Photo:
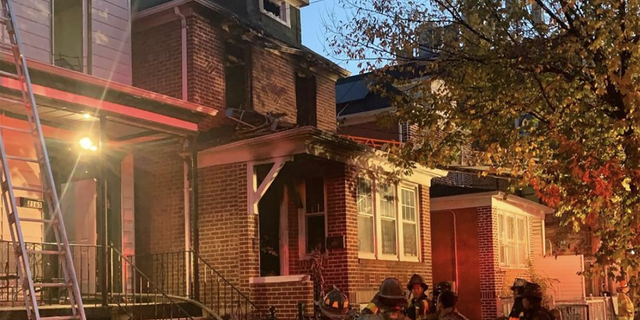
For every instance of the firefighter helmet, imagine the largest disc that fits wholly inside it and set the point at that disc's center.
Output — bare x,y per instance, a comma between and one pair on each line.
417,279
335,305
532,290
391,294
519,283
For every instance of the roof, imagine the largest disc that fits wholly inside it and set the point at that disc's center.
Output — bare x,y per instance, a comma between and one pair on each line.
353,95
151,7
495,199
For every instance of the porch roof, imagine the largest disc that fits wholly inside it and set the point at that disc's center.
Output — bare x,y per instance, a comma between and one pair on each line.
68,99
496,199
310,141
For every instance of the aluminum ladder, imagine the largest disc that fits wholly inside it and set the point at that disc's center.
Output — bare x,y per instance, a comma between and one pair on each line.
47,189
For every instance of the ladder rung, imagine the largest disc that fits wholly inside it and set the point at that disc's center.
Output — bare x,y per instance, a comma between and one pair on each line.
9,75
23,159
16,129
7,46
31,189
50,252
36,220
60,318
51,285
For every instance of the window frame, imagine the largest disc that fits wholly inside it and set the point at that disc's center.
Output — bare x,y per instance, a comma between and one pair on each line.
518,243
372,216
377,221
377,211
286,9
413,188
302,219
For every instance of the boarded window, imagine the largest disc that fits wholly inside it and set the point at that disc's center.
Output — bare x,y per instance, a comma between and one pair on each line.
306,100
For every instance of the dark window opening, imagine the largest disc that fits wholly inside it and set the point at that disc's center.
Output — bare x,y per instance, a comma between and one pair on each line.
315,213
306,100
273,8
237,76
68,44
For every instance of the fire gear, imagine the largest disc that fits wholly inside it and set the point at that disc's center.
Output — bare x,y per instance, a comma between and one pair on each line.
335,305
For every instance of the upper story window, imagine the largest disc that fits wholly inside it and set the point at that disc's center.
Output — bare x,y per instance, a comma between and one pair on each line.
237,76
277,9
513,235
68,34
306,95
388,221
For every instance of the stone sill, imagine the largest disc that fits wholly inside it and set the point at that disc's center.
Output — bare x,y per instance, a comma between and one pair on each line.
279,279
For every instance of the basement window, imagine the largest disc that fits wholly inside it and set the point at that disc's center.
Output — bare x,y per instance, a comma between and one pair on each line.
276,9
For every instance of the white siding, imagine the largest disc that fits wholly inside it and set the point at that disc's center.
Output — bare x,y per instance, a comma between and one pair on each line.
34,23
562,273
111,41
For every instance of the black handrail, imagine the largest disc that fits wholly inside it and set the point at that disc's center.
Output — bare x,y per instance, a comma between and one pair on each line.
150,297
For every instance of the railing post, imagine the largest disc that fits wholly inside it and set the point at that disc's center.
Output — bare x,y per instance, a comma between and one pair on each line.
102,211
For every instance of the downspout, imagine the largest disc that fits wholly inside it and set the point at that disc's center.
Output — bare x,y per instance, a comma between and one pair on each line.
187,166
183,40
455,248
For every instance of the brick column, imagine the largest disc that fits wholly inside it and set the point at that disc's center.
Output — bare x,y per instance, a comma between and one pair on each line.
489,263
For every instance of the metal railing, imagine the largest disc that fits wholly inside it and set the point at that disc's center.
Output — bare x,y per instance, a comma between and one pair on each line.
47,268
374,143
142,296
172,273
221,296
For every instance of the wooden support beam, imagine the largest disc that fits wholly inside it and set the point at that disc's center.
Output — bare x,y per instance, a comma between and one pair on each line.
255,192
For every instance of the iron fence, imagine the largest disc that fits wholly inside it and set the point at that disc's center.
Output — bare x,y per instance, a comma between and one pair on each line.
47,268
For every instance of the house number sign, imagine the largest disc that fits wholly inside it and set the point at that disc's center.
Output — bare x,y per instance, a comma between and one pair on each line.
30,203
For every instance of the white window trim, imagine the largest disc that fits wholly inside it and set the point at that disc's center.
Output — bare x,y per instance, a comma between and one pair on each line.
287,13
413,188
364,254
302,221
527,245
377,237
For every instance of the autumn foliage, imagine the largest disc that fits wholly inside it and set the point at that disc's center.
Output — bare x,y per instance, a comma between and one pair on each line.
469,71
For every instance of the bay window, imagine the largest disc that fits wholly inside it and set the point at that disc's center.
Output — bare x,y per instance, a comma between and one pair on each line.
388,221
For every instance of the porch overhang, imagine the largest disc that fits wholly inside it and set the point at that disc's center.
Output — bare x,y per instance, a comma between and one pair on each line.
495,199
68,100
308,141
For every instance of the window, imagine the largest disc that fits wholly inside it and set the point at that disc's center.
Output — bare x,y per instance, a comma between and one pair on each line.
388,221
68,38
276,9
388,217
306,100
409,221
237,76
315,213
512,237
405,132
365,216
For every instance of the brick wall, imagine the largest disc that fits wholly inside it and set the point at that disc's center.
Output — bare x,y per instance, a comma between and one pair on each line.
159,200
285,296
326,103
156,63
228,234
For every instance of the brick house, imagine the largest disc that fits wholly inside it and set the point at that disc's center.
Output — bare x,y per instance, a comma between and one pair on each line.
493,238
272,181
79,59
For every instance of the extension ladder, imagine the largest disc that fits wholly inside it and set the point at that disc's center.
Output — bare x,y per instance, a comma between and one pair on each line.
47,189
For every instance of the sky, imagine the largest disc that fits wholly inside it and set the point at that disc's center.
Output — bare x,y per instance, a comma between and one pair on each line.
314,17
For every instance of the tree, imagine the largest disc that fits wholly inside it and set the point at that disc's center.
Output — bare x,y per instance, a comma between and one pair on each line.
470,69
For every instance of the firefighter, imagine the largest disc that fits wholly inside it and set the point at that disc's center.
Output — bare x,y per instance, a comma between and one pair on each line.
532,302
335,306
517,309
626,310
441,287
419,306
372,307
390,302
447,303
